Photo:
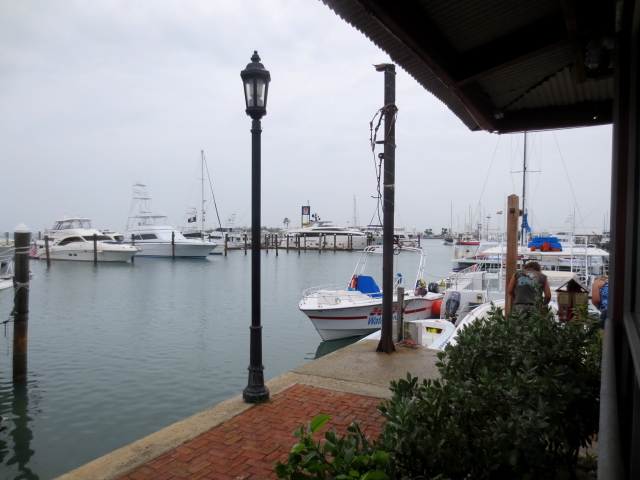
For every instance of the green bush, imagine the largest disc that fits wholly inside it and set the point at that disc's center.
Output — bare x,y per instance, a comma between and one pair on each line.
517,399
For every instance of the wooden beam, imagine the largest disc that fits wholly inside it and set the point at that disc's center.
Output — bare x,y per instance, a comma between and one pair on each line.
571,25
513,214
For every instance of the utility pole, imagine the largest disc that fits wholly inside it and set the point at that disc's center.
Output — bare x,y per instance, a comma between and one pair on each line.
386,343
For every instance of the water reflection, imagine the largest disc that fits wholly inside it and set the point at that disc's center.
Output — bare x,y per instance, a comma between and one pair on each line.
15,440
330,346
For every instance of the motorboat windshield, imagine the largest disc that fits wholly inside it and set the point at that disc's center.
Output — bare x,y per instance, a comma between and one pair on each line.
69,223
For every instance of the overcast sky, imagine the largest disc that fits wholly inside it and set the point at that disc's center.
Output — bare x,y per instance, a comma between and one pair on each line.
96,95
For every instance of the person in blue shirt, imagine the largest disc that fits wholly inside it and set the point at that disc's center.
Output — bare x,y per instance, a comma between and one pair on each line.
600,296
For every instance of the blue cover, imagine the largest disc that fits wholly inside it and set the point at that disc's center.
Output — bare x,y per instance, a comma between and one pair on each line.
538,241
368,286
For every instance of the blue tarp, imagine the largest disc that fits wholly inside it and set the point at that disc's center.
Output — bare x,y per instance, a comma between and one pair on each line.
538,241
368,286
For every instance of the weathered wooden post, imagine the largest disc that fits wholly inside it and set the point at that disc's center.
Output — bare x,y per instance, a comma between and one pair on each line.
298,243
287,243
275,237
22,242
133,244
39,234
173,244
46,249
95,248
226,243
245,244
266,242
305,241
6,238
400,316
513,212
335,242
388,205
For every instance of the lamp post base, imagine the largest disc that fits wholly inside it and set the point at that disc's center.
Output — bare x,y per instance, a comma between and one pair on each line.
255,391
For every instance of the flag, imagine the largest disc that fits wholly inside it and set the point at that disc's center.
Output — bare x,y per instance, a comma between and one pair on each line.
33,252
192,219
499,213
525,223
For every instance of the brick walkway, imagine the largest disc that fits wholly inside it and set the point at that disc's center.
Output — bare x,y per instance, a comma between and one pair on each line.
247,446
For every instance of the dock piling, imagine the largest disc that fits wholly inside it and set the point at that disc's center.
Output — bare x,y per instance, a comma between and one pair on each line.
133,244
513,212
400,316
275,237
245,244
46,249
226,243
95,248
22,242
173,245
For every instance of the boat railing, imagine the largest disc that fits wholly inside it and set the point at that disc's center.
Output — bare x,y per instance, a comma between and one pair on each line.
314,290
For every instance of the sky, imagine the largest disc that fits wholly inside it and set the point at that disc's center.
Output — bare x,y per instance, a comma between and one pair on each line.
95,96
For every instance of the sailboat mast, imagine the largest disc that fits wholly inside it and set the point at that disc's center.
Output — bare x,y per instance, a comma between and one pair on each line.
202,190
524,191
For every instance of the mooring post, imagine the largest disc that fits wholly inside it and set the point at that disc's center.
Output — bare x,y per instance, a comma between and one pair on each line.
95,248
6,238
400,316
245,244
298,243
22,242
287,243
335,242
305,241
46,249
226,243
275,237
173,244
513,213
39,234
389,110
133,244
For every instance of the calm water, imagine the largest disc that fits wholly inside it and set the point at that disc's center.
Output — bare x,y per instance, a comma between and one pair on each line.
117,352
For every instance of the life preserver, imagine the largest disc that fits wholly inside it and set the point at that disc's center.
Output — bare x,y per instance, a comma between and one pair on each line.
354,282
546,246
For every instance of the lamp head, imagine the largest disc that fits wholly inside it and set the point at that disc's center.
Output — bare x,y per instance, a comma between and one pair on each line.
256,87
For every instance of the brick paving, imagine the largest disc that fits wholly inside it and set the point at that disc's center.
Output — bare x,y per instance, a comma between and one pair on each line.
247,446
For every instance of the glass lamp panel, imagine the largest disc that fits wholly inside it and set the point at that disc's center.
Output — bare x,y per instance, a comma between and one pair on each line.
247,92
260,92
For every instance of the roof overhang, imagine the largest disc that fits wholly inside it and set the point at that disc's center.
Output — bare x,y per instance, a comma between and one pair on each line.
499,65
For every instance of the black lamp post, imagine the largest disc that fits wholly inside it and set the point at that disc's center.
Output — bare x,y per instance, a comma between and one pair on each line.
256,87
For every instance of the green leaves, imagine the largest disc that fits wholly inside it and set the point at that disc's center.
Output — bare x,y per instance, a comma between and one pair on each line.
517,399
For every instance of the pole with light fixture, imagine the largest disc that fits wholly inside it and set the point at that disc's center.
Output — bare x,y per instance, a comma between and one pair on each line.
256,88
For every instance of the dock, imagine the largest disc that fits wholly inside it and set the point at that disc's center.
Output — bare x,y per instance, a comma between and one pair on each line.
236,440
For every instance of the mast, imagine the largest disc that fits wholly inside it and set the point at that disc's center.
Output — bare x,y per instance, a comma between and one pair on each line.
524,191
202,190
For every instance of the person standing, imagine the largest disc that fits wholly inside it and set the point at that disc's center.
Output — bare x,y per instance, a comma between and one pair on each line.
526,285
600,296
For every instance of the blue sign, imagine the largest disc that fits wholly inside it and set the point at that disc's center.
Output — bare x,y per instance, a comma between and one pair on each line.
306,210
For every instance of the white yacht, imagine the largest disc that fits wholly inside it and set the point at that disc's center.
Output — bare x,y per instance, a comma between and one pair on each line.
323,233
73,239
152,234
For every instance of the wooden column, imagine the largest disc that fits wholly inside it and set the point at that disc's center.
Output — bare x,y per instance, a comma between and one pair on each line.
95,248
513,212
22,240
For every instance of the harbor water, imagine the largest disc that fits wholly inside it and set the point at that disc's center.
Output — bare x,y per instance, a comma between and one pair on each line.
119,351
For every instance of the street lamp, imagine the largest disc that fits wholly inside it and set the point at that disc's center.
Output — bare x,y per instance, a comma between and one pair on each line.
256,88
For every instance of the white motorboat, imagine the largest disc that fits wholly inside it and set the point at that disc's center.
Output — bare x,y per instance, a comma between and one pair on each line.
431,333
72,239
6,264
324,234
355,307
154,237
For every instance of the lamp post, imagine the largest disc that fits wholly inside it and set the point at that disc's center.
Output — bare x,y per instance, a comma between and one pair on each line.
256,88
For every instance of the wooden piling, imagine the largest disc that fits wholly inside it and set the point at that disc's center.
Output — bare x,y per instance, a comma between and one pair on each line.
226,243
266,242
335,242
22,242
133,244
173,244
95,248
298,243
6,238
39,234
305,241
245,244
400,316
287,243
46,249
275,237
513,212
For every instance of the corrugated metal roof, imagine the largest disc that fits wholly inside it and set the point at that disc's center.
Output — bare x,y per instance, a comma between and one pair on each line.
467,24
560,89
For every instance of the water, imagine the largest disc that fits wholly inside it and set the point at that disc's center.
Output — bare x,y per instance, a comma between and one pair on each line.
119,351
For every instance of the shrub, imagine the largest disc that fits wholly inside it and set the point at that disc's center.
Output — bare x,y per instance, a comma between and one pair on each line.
517,399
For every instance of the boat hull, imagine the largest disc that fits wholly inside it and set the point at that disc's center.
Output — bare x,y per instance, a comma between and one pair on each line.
74,254
333,323
182,250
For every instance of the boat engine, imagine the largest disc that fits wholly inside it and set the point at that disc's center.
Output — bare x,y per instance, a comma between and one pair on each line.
433,287
452,305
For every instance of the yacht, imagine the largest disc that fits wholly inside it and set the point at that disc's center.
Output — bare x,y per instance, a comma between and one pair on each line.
323,234
152,234
73,239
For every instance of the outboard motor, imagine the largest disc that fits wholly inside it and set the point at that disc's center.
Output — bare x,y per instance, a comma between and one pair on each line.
452,305
433,287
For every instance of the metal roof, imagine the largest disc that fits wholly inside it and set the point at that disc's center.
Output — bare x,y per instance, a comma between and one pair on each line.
500,65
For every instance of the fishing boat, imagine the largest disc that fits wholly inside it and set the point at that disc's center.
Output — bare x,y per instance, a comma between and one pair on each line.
355,307
72,239
152,234
324,234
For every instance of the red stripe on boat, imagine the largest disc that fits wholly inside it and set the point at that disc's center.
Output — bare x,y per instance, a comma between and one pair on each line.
339,318
417,310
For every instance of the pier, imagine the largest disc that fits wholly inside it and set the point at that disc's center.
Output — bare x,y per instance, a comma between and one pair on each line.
237,440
